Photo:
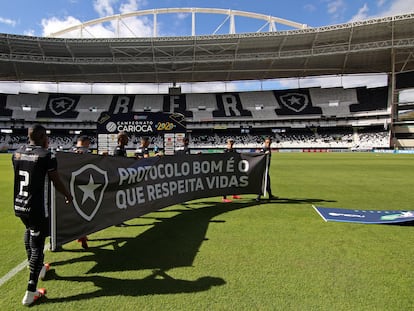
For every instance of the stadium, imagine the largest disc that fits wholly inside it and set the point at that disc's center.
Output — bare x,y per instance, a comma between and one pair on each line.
314,118
62,82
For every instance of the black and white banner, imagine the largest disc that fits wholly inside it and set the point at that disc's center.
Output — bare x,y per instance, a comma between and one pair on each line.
60,106
109,190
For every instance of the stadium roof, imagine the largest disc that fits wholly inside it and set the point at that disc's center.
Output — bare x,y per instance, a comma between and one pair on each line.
372,46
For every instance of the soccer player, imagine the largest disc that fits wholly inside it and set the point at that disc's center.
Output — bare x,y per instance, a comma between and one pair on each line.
120,150
229,148
82,146
267,150
185,149
142,151
33,164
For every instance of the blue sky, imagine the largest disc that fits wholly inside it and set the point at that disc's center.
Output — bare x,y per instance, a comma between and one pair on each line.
42,17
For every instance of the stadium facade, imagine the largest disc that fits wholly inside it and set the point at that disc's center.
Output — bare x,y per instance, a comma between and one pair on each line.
329,116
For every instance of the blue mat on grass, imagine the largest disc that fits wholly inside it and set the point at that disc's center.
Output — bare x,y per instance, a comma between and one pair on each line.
364,216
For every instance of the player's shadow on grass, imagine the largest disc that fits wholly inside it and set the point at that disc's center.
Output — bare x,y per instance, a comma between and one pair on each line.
170,243
157,283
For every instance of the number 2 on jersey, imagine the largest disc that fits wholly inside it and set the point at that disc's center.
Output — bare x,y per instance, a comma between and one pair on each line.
24,183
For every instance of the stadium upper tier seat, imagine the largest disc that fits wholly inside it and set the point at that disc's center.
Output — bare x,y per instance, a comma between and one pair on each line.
257,105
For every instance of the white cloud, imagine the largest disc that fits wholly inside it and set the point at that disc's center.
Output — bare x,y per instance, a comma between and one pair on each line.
395,8
127,27
29,32
335,6
8,21
310,7
55,24
107,7
181,16
133,26
399,7
104,7
129,6
380,3
98,31
361,15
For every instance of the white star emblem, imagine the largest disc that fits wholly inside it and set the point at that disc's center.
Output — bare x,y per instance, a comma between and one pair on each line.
294,101
61,104
89,190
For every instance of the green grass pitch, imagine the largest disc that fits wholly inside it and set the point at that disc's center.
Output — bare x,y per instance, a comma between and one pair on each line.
206,255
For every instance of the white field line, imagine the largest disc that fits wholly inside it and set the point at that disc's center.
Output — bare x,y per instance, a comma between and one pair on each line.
16,270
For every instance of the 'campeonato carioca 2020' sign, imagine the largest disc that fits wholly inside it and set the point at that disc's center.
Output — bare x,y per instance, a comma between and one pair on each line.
141,123
109,190
130,126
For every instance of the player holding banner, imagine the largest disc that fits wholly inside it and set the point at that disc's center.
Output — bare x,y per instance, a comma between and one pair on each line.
32,164
267,149
142,151
229,149
82,147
